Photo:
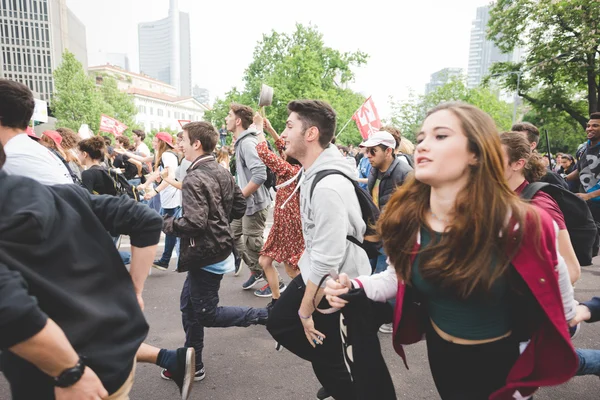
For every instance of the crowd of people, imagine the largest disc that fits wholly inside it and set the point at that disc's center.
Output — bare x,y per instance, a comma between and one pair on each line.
466,239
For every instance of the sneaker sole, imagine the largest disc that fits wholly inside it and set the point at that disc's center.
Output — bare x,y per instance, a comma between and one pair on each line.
190,371
269,295
254,284
159,267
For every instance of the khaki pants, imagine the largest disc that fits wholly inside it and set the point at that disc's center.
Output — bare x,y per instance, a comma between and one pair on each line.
123,392
248,234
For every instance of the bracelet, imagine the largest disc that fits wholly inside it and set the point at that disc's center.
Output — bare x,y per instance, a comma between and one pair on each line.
301,317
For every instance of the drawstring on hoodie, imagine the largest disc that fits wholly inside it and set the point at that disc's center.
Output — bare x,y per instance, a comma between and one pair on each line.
289,182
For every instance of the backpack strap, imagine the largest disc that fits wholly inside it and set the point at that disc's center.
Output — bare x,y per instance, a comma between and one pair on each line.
322,174
532,189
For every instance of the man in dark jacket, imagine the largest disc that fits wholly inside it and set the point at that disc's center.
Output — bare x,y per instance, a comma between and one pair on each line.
54,248
211,200
388,172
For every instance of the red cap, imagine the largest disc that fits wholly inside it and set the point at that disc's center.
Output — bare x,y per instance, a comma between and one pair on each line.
165,137
29,131
55,136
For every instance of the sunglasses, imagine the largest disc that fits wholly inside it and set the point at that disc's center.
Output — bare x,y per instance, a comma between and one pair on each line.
373,150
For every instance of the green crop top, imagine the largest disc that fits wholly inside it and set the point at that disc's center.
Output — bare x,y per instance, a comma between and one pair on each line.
475,318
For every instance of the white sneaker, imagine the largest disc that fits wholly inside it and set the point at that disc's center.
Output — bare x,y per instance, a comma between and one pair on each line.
386,328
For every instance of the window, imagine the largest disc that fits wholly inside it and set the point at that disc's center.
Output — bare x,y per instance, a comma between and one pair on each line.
159,112
151,111
169,113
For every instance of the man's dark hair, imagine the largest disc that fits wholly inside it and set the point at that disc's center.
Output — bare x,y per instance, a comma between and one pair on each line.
344,149
245,113
140,134
107,140
203,132
533,134
315,113
16,104
595,115
124,140
395,132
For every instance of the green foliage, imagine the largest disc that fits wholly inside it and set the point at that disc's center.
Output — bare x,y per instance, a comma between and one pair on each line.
78,101
564,132
561,70
409,115
298,66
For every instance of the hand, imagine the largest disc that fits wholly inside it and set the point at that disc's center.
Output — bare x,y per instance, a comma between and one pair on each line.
88,387
165,173
140,300
141,187
335,288
313,336
258,121
150,194
582,313
584,196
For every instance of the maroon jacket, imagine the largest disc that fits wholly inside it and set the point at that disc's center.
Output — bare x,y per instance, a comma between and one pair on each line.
549,358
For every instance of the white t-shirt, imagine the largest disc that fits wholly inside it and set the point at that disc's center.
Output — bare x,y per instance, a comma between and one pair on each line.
26,157
170,197
143,149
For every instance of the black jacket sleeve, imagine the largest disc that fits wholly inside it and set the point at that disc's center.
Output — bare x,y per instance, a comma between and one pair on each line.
20,316
594,306
239,203
121,215
88,178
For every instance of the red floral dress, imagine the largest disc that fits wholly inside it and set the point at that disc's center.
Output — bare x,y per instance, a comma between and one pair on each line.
285,242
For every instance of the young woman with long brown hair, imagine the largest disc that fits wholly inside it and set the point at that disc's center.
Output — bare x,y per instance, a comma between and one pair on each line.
472,266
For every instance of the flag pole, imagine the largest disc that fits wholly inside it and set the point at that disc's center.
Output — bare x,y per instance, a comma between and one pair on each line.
342,130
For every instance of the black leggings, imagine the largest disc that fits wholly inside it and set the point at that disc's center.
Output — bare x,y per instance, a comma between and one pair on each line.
469,372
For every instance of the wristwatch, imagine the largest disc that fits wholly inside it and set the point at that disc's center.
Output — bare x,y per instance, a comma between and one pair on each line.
70,376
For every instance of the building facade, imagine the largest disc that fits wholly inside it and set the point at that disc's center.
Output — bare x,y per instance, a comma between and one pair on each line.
165,52
33,36
482,52
441,77
158,105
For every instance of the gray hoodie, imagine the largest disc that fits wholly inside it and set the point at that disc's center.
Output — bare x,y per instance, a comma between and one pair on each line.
249,167
332,214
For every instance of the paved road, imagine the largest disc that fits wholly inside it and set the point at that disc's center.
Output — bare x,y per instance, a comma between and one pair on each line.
242,363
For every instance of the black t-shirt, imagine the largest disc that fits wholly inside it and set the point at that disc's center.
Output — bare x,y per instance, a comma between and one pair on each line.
129,170
97,181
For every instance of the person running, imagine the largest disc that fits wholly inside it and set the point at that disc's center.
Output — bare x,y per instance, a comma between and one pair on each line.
285,243
211,199
95,177
518,161
475,264
170,197
69,145
251,175
71,320
25,157
138,141
329,217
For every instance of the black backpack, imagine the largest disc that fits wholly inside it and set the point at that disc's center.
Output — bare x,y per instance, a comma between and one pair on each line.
122,186
578,218
370,213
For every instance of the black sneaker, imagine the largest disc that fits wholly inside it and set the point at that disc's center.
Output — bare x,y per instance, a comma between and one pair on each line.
185,373
238,266
323,395
254,278
161,266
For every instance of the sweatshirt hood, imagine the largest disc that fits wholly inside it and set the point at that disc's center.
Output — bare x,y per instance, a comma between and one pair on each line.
250,131
331,158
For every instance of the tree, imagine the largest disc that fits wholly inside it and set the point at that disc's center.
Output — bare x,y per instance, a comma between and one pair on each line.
298,66
409,115
76,100
561,70
118,105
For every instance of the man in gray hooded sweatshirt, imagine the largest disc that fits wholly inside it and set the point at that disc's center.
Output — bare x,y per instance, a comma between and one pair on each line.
329,216
251,175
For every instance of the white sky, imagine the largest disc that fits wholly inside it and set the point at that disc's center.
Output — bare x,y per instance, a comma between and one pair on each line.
406,40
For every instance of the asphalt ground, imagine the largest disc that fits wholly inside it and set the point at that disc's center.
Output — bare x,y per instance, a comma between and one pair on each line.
242,363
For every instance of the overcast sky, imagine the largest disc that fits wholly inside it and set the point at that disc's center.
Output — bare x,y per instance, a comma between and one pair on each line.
406,40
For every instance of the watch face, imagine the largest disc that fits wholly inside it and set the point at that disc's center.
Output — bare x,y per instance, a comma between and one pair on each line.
71,376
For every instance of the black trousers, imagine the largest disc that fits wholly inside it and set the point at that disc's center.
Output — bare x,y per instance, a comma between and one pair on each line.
469,372
327,359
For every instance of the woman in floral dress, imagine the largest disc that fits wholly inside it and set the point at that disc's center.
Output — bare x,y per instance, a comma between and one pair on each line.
285,243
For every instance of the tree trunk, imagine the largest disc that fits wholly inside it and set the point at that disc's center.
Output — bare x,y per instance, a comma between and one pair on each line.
577,116
592,84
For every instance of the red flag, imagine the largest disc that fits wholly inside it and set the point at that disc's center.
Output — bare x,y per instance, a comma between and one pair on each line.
111,125
367,119
182,122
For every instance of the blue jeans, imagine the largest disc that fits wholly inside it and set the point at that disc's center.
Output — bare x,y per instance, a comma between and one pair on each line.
223,140
589,362
199,304
125,256
170,240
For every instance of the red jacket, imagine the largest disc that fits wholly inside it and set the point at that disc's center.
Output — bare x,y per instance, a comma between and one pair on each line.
549,359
